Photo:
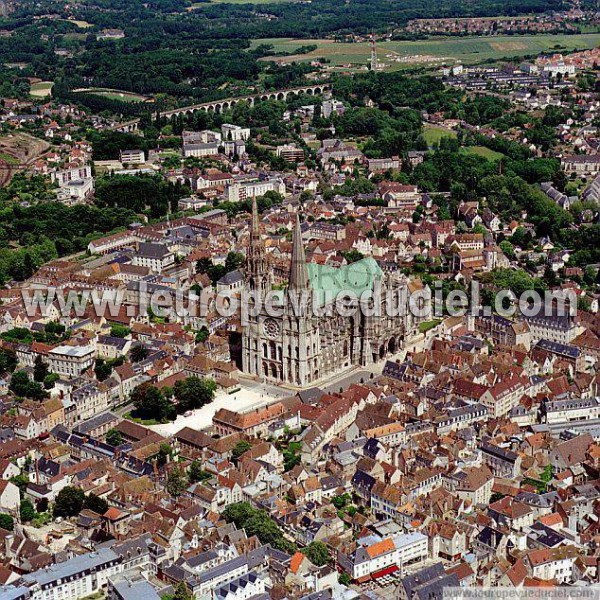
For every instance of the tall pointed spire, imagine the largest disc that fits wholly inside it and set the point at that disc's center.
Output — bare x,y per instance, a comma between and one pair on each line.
298,270
255,228
256,263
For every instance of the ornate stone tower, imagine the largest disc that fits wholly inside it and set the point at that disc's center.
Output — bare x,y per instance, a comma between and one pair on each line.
256,261
281,348
301,347
258,282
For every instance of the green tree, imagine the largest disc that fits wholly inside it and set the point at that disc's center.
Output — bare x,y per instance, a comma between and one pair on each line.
176,482
353,255
202,335
8,362
257,522
26,511
138,353
239,449
164,453
182,592
194,392
317,553
21,481
151,402
21,385
40,369
96,503
507,248
118,330
114,437
341,501
6,522
50,380
102,369
196,473
69,502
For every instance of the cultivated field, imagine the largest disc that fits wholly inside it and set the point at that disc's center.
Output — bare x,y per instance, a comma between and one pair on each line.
197,5
431,52
41,89
80,24
484,152
114,94
433,134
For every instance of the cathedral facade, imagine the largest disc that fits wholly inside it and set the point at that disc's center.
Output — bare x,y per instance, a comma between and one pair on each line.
318,333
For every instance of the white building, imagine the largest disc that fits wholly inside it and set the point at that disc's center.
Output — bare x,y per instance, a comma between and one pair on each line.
235,147
65,176
556,68
132,157
10,497
75,184
575,409
71,360
379,556
234,132
77,577
552,564
107,244
240,191
156,257
77,190
331,107
200,150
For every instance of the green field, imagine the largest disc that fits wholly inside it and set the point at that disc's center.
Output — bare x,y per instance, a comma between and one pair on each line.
114,94
80,24
9,158
425,326
122,96
196,5
432,52
484,152
433,134
41,89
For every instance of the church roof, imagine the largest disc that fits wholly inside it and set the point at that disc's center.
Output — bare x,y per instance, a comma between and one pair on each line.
328,282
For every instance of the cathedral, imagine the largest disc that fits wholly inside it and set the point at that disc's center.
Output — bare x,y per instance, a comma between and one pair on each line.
308,342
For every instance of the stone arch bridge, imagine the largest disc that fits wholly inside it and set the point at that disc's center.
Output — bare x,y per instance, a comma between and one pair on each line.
226,103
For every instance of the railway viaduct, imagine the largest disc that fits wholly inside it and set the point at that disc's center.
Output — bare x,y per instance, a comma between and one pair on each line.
226,103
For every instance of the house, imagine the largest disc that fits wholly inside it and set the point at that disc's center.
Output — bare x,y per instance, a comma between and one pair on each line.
511,513
571,452
132,157
447,541
552,564
10,496
254,422
157,257
473,484
126,589
374,557
71,360
504,396
8,469
76,577
427,583
581,164
231,282
502,462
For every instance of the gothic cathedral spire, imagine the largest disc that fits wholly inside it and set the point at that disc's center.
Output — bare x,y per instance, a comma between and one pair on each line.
298,270
256,263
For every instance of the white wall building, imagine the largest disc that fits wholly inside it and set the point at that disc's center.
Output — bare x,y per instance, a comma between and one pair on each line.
234,132
75,578
240,191
71,360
